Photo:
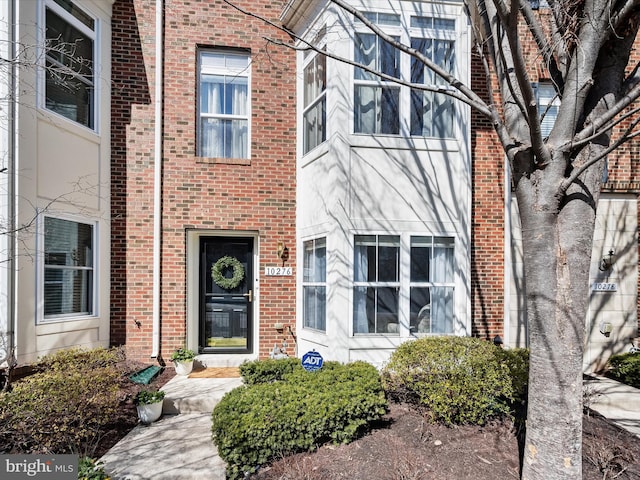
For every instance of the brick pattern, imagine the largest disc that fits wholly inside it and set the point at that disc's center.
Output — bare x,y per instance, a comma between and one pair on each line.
258,195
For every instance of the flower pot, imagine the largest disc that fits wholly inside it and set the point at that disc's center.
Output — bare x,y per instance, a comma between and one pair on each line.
150,412
184,368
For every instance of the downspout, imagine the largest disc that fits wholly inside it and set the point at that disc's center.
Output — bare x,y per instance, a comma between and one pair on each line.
157,181
8,353
506,324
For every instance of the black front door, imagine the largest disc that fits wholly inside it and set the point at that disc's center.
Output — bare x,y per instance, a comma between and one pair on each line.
226,294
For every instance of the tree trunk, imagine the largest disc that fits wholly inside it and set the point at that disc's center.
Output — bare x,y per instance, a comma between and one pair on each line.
557,238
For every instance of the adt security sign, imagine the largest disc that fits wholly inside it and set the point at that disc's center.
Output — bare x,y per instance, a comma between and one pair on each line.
312,361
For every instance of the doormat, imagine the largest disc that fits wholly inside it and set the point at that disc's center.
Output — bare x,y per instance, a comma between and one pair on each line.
216,372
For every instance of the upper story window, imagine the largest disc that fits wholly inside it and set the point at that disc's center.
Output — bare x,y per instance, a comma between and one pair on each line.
314,284
548,105
70,62
68,268
383,107
315,102
224,104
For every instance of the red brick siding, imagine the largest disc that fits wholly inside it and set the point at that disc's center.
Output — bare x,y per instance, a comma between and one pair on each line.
257,197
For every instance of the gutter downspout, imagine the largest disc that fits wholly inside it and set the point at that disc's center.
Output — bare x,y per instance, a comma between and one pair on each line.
8,350
506,324
157,181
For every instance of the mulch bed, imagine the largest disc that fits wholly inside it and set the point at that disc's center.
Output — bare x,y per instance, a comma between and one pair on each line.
407,447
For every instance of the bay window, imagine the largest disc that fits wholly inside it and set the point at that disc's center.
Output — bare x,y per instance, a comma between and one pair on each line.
314,284
68,268
223,107
383,107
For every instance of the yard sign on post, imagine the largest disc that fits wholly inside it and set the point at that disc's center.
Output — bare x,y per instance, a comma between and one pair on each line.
312,361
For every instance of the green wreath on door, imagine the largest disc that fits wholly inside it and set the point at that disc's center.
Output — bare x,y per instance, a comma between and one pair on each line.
221,266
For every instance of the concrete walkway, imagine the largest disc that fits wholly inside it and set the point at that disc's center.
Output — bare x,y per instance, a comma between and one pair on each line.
614,400
179,446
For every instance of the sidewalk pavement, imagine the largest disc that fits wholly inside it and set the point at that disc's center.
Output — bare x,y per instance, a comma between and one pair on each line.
179,445
616,401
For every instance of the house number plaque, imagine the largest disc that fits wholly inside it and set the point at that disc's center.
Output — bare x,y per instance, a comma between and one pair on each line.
604,287
278,271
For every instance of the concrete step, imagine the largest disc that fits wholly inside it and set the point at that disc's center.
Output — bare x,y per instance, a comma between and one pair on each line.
195,395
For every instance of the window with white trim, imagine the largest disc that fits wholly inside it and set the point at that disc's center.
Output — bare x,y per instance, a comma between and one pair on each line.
548,105
314,284
376,285
69,284
380,284
431,285
314,115
69,84
383,107
224,104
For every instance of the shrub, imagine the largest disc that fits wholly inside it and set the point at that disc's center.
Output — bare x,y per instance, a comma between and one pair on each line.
517,361
256,423
625,367
269,370
458,380
91,469
63,409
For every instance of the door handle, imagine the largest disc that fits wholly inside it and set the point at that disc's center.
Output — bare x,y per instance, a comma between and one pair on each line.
249,295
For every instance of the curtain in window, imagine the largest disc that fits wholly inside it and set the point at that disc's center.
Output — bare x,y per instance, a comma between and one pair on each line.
361,269
222,97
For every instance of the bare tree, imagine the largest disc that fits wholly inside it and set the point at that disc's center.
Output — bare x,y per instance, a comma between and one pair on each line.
585,46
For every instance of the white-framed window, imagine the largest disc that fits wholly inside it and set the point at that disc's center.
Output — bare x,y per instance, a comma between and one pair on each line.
314,115
314,284
431,285
380,284
224,104
376,286
69,273
383,107
70,62
548,105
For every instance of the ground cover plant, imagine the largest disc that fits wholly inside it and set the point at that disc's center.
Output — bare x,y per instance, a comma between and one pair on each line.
256,423
75,401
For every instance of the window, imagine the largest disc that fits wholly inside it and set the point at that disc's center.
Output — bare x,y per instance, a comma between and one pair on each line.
431,285
315,102
432,114
548,104
68,268
70,56
314,286
224,105
380,106
376,284
376,102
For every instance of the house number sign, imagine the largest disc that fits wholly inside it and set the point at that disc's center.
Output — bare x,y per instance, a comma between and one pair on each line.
604,287
278,271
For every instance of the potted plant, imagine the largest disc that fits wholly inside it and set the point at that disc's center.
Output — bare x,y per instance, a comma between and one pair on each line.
149,405
183,360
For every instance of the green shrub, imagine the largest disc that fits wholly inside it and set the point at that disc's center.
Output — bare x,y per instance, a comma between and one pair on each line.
269,370
458,380
517,361
63,409
256,423
625,367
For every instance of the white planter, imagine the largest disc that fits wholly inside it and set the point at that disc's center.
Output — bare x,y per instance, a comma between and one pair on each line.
150,412
183,368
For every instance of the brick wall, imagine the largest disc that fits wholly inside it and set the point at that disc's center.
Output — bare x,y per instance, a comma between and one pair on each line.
258,195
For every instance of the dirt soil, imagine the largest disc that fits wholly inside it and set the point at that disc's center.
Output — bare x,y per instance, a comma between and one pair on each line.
406,447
